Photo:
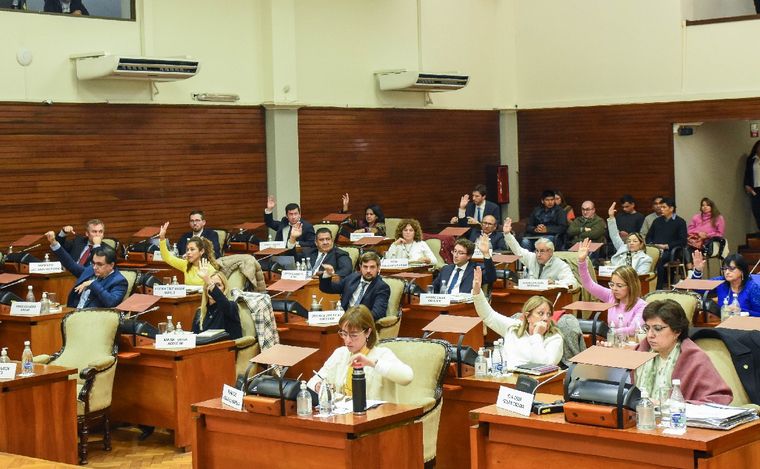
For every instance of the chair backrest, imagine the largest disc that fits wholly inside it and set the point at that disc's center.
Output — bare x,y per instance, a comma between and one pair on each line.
330,226
721,359
654,253
222,236
236,280
111,242
593,329
131,276
429,360
353,253
244,355
689,301
390,226
397,291
88,335
571,258
246,318
435,246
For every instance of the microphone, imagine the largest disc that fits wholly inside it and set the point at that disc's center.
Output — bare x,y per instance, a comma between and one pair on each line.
561,372
31,247
542,408
15,282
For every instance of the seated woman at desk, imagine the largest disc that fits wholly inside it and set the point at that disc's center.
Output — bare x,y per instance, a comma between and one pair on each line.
216,311
197,249
737,282
373,222
409,244
357,330
624,292
632,252
677,357
532,339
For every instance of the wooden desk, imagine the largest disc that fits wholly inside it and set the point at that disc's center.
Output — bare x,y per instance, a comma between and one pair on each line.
510,300
386,437
38,414
416,316
60,284
44,331
303,295
156,387
298,332
460,396
180,309
158,269
500,437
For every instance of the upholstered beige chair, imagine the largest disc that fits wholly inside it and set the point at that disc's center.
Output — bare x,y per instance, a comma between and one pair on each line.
390,226
389,326
89,345
721,359
429,359
112,243
571,258
654,253
247,346
435,246
689,301
222,236
330,226
353,253
131,276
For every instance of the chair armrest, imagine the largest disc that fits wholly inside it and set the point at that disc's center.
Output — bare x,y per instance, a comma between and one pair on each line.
98,366
245,342
43,359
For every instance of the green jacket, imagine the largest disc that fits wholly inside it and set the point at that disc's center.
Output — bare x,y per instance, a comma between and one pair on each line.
576,232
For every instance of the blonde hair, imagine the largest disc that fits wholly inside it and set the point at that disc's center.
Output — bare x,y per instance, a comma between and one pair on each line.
204,297
631,278
528,308
359,318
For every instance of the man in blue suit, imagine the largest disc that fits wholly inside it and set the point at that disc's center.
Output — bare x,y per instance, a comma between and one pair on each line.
98,285
488,227
365,287
458,276
472,211
292,228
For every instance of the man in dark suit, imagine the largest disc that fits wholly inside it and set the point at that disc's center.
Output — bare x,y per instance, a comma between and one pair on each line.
547,221
328,254
80,247
473,211
99,285
292,228
198,227
488,227
458,276
365,287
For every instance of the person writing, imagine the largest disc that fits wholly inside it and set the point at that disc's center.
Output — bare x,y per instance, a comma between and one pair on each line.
624,291
360,349
633,251
534,338
216,311
409,243
678,357
737,282
197,249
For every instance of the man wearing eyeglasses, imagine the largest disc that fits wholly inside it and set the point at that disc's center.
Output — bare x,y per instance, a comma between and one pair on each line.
198,227
488,227
540,264
459,275
588,225
365,287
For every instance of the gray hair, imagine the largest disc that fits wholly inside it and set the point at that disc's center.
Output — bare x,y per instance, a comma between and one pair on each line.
546,242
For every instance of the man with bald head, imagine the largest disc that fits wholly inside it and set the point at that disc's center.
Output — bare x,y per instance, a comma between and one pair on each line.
588,225
489,227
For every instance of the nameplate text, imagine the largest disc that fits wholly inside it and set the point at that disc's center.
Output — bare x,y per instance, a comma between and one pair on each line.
434,299
515,401
533,284
394,263
294,275
362,234
606,270
272,245
26,308
232,397
170,291
45,267
8,370
324,317
173,340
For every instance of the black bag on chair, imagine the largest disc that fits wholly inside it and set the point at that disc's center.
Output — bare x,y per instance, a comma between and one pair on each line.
291,307
269,386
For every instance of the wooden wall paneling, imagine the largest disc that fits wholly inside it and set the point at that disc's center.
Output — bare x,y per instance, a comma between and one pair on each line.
602,152
411,162
130,165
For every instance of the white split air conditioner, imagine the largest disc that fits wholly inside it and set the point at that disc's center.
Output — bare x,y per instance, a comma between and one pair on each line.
410,80
91,67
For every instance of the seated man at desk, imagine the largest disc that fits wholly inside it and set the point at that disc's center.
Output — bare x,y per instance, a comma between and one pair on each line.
540,264
488,227
588,225
198,227
292,228
99,285
458,276
327,253
365,287
80,247
472,211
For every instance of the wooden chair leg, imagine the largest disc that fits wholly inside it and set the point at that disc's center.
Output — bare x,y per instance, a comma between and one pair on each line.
83,433
107,429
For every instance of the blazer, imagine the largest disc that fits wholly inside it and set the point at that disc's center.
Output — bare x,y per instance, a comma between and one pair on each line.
749,175
74,246
489,275
282,228
337,258
221,315
490,209
207,233
104,292
54,6
496,237
375,297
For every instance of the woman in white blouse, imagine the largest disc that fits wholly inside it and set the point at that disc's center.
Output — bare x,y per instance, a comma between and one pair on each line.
531,339
357,330
409,243
632,252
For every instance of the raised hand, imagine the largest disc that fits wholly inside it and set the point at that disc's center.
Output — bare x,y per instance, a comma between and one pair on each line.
611,211
507,228
477,280
699,260
270,202
97,240
50,235
345,202
583,249
162,232
203,270
484,244
296,231
463,201
69,229
328,270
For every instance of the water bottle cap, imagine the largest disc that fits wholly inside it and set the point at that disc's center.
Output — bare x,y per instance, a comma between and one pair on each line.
26,342
644,394
30,287
676,381
168,317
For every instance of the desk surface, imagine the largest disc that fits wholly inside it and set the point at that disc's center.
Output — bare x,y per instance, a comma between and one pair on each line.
42,373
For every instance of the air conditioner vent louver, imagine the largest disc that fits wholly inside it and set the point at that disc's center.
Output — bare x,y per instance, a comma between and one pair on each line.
409,80
136,68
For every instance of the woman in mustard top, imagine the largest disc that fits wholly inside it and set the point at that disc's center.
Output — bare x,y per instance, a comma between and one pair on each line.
197,248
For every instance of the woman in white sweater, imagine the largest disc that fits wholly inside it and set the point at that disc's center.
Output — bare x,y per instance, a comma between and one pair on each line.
409,243
531,339
357,329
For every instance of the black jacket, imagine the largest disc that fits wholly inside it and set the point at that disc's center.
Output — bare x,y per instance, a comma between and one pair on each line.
375,296
54,6
336,257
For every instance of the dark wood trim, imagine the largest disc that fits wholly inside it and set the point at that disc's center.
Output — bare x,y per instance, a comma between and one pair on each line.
727,19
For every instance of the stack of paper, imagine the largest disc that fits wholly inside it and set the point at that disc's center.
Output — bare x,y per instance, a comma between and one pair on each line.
718,416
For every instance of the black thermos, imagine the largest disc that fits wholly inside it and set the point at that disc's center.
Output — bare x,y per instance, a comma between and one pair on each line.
359,389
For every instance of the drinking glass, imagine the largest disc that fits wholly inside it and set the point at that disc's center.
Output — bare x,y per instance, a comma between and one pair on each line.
662,409
162,328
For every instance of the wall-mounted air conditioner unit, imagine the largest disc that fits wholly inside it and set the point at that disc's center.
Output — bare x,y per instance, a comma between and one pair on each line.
411,80
91,67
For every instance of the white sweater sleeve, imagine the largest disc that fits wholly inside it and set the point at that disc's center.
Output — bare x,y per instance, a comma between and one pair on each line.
495,321
391,368
546,350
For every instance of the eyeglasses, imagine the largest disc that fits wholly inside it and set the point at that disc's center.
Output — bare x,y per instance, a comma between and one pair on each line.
487,223
587,209
352,335
729,268
618,285
459,253
657,329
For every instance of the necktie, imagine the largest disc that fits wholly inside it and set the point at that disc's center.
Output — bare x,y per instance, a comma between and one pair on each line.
319,261
84,298
479,217
454,280
540,270
85,255
360,293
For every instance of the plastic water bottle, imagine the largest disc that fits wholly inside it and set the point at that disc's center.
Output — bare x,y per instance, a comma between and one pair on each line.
174,280
622,338
169,325
315,306
497,358
179,330
612,336
269,238
444,287
645,413
30,294
47,257
338,307
4,356
481,366
45,308
27,360
735,308
724,311
308,266
303,401
175,250
677,406
325,399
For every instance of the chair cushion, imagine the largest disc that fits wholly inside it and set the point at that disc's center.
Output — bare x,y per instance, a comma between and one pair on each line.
688,301
721,359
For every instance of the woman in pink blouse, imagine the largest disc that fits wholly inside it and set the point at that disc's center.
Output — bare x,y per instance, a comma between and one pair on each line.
624,292
708,223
